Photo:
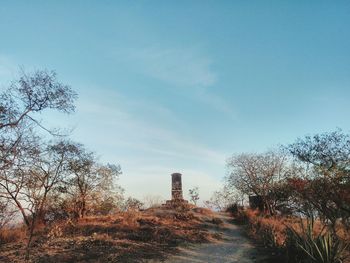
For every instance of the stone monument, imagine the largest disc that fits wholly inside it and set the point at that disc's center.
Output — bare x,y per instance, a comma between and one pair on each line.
176,192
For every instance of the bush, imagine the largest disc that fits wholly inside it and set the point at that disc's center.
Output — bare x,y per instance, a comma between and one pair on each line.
233,209
9,235
133,204
309,248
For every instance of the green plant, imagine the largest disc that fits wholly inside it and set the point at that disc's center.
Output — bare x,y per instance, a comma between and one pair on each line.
310,248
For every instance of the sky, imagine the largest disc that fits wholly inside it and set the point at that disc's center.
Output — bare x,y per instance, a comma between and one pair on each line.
180,86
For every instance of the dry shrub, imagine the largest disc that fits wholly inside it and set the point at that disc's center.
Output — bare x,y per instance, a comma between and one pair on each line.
130,219
55,231
120,236
10,235
275,231
203,211
96,219
270,231
246,216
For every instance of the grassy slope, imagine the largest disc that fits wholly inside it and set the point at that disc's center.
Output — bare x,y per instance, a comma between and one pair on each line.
123,237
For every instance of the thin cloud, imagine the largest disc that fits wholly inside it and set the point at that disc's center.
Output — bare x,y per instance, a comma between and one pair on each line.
186,69
132,131
179,67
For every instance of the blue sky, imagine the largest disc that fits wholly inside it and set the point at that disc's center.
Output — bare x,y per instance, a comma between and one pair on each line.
179,86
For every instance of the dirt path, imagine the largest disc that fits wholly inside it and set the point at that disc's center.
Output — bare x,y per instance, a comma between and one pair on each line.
234,247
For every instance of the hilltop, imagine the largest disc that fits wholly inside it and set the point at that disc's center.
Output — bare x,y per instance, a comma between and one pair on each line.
154,235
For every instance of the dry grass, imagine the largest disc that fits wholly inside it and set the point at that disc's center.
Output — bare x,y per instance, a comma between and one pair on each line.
153,233
271,231
13,234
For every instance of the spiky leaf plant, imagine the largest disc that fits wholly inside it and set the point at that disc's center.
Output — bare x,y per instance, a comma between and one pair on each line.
309,248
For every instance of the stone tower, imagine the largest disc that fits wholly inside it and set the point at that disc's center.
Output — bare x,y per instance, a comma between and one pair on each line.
177,199
176,187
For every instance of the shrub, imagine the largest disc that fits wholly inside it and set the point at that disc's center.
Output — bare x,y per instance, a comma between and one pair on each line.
233,209
310,248
9,235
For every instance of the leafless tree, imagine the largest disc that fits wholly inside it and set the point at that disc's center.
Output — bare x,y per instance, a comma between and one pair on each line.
257,174
108,194
19,105
91,184
152,201
225,197
32,94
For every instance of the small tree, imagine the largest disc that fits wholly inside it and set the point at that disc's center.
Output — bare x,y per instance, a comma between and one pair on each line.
44,176
152,201
224,198
133,204
194,195
108,195
92,185
258,174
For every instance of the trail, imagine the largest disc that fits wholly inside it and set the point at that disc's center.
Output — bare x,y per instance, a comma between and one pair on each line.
234,247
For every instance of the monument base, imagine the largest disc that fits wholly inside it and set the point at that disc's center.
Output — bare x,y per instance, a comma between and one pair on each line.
176,203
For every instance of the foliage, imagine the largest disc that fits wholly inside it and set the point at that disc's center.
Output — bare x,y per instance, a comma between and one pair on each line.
325,186
310,248
194,195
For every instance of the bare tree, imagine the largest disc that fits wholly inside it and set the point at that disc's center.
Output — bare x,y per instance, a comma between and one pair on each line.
132,203
47,172
225,197
257,174
26,96
92,184
32,94
108,194
19,104
152,201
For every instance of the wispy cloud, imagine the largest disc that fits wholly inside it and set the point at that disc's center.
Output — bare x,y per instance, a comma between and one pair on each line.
137,133
186,69
147,151
216,102
180,67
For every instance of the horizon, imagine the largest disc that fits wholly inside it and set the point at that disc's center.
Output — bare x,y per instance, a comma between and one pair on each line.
167,88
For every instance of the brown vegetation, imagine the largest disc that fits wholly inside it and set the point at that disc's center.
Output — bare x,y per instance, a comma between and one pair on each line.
302,192
273,232
122,237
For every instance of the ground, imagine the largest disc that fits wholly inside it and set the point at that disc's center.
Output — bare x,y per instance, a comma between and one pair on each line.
232,247
154,235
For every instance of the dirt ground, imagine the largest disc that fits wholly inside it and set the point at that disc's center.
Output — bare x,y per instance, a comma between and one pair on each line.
154,235
232,247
